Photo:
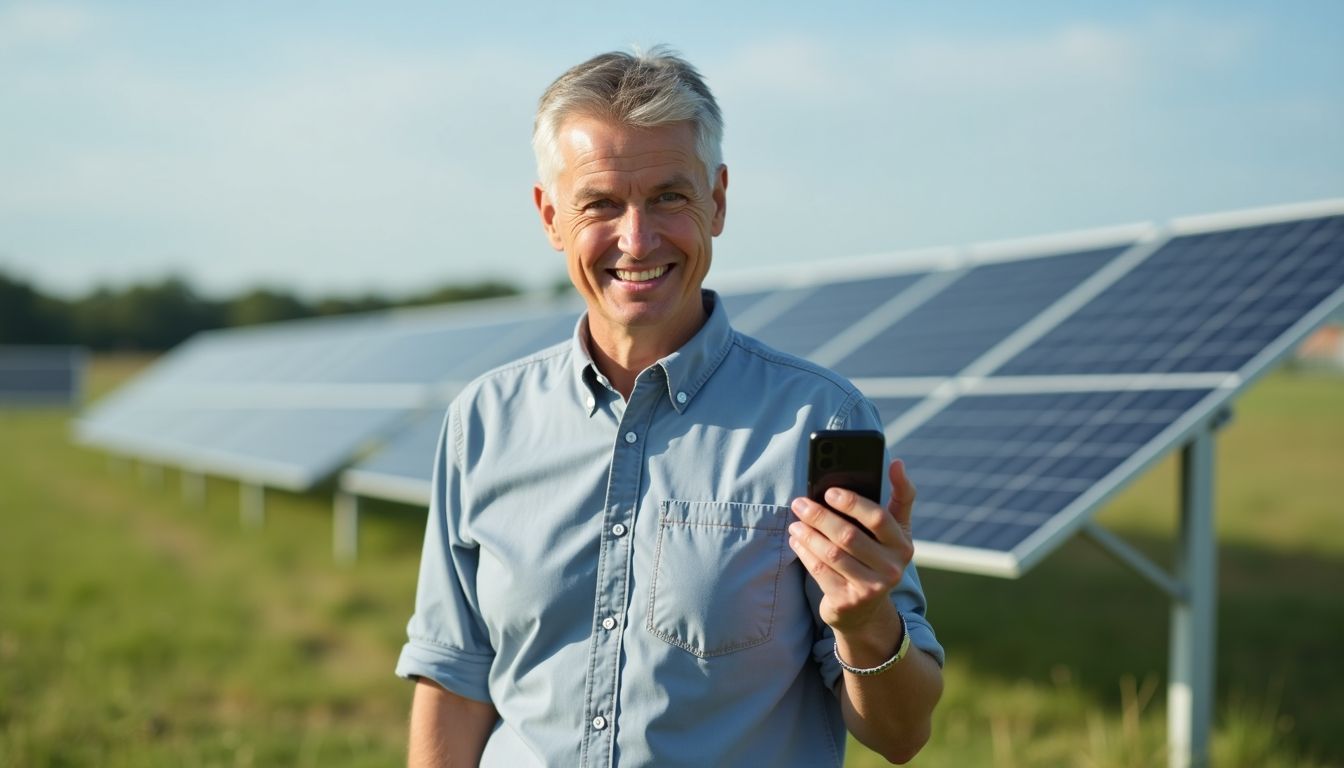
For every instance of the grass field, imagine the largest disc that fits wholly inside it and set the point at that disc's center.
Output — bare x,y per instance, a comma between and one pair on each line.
136,630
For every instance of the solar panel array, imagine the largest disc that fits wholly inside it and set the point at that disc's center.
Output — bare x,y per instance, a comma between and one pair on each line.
288,405
1023,383
41,375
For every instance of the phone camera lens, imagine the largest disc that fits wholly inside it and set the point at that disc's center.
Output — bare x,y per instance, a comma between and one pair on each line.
826,463
827,448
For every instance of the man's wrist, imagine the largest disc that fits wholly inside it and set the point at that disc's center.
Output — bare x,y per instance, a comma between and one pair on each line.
874,641
902,649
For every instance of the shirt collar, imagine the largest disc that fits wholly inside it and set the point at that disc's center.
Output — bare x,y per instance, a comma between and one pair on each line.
685,370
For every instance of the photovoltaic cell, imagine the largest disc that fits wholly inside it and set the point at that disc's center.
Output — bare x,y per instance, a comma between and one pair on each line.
993,469
829,310
1201,303
963,321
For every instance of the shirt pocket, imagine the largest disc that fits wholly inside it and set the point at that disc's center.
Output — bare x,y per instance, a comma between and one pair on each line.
716,573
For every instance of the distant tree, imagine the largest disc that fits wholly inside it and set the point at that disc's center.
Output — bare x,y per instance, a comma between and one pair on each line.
487,289
561,286
29,317
159,315
333,305
265,305
153,316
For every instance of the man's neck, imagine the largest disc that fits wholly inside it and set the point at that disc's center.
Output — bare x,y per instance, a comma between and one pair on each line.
622,353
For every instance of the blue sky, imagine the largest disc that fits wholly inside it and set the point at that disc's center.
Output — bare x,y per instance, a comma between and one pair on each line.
331,147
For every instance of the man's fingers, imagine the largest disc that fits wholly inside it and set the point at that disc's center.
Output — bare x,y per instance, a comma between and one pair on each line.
902,494
867,512
827,577
854,535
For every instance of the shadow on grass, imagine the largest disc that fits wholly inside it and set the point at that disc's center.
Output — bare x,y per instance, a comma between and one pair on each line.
1083,617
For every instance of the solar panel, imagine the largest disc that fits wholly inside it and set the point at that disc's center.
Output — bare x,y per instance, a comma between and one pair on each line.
401,470
1202,302
828,310
738,303
289,404
972,314
993,469
41,375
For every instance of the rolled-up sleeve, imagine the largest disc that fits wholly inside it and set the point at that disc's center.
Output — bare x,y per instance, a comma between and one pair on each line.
447,641
908,596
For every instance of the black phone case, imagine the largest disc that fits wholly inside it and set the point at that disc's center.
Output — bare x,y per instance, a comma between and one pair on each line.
850,459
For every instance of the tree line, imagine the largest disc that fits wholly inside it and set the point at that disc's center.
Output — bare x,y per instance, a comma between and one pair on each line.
157,315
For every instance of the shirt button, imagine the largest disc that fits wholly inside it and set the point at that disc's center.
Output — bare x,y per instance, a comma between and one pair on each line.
618,530
608,623
681,398
599,722
630,437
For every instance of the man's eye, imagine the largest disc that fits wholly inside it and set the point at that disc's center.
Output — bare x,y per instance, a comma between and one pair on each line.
598,205
671,197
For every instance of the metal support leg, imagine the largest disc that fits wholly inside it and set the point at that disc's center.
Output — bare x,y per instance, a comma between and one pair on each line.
193,488
345,527
252,503
1193,619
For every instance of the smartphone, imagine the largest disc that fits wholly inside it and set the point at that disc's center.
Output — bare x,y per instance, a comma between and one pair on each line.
850,459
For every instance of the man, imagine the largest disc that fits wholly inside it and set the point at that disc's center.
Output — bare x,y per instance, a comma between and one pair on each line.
616,567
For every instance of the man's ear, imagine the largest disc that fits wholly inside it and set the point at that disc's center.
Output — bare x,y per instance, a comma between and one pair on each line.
546,209
720,197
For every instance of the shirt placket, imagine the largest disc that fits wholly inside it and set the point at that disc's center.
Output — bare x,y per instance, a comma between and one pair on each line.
611,603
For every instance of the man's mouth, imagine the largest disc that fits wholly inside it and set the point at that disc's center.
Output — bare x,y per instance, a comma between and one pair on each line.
640,276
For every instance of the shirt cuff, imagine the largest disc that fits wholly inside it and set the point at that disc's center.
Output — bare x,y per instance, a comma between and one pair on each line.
922,637
465,674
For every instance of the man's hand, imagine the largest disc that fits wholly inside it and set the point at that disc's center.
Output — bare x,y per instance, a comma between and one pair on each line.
890,712
857,572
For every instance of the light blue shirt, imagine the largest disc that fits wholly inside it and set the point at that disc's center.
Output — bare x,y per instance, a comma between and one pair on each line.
615,577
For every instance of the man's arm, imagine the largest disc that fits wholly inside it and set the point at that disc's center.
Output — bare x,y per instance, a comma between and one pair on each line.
447,729
889,712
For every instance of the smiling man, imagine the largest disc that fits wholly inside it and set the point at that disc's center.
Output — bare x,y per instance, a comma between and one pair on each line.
619,568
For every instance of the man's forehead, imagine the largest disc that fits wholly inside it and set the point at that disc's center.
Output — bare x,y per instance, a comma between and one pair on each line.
594,146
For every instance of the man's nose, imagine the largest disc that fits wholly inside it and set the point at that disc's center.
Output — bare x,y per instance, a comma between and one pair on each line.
638,235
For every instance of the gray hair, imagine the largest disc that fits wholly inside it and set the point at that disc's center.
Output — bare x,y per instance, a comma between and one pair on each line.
642,90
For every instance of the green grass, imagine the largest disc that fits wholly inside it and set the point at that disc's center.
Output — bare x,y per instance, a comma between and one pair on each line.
136,630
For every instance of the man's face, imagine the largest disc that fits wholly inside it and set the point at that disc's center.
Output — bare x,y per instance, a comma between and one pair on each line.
635,216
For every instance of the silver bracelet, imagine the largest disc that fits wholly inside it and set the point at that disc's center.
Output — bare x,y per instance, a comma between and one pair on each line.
884,666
